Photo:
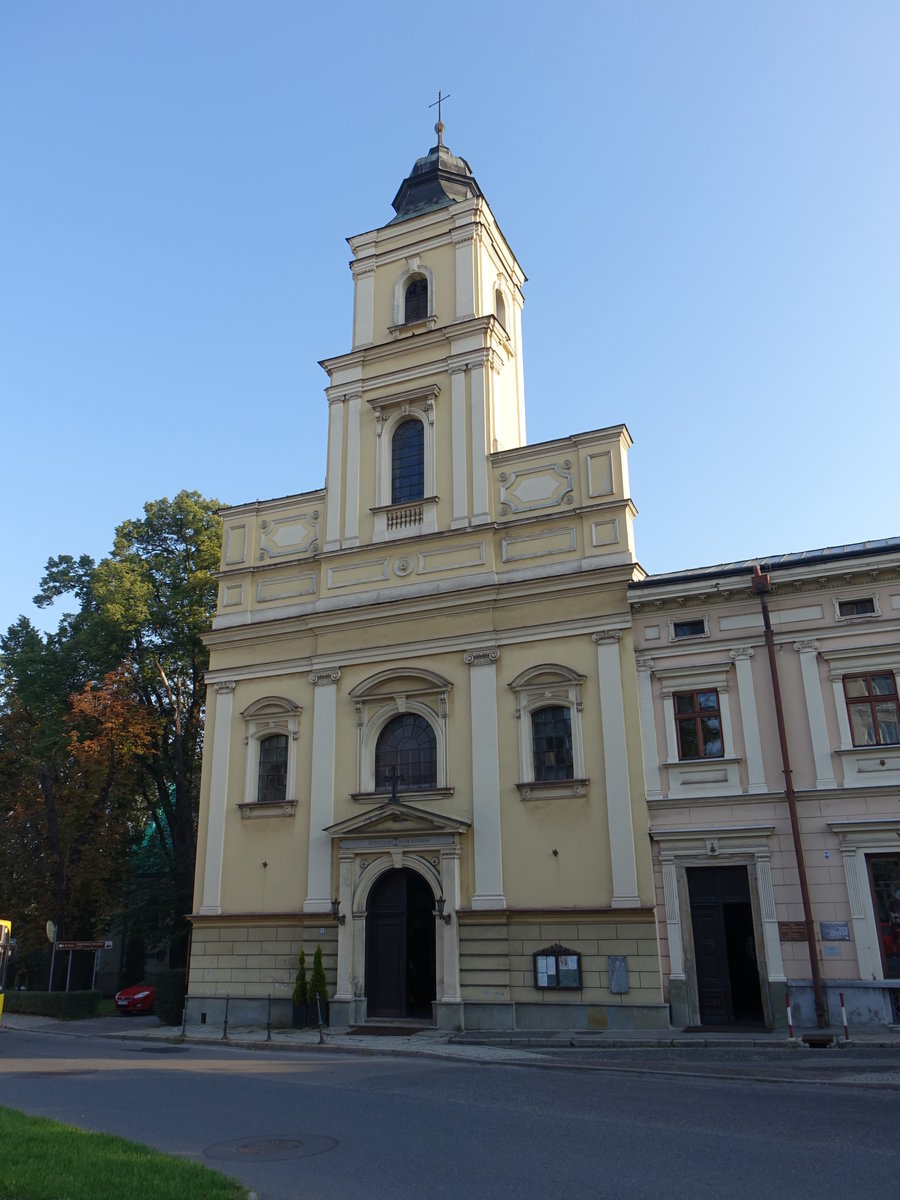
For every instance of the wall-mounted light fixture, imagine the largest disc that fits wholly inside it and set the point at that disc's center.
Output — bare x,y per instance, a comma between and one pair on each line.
439,910
336,912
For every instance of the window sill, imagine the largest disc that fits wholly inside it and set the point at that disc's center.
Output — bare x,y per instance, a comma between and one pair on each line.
255,809
867,766
687,775
407,329
552,789
404,797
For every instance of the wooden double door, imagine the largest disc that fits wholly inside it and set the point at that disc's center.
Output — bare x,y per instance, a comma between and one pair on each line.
400,947
728,983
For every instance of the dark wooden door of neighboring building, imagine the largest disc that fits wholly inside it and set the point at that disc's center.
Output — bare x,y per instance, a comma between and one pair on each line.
724,946
400,947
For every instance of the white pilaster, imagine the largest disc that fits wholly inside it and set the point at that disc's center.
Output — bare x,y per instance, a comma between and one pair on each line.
321,792
673,917
363,304
486,779
458,447
334,476
815,708
351,508
615,766
464,241
769,916
864,932
218,800
450,961
344,983
756,770
648,728
480,464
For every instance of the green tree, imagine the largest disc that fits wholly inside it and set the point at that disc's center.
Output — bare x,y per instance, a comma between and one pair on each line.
140,612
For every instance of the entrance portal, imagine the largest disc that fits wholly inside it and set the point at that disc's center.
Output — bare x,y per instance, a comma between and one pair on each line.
724,946
400,947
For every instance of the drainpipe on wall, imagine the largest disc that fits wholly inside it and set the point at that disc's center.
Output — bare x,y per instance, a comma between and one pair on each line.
761,584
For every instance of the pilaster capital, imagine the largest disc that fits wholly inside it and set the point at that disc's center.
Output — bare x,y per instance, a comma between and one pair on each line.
458,368
806,646
324,678
463,237
361,269
605,636
482,658
740,652
644,664
225,687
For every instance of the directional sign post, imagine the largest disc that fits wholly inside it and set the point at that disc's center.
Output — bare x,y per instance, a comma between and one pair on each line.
95,946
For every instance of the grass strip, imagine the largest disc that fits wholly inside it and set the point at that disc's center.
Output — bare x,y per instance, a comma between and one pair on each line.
44,1160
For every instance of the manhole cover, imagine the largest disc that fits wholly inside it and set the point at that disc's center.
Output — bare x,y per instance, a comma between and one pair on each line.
271,1147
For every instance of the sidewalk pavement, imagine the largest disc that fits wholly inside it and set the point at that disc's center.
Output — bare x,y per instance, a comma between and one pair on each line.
523,1047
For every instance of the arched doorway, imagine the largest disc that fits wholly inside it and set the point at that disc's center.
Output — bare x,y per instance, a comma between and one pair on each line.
400,948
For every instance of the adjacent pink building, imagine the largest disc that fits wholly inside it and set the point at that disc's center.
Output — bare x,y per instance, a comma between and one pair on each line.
730,915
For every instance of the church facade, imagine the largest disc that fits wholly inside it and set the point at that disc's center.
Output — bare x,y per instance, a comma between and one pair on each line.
423,740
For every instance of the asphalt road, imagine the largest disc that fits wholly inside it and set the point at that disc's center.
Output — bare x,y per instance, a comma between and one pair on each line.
330,1126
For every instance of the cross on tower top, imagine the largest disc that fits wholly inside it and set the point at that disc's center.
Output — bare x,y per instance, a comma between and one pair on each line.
439,124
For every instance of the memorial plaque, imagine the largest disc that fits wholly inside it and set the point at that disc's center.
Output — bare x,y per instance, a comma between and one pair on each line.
791,931
834,931
618,973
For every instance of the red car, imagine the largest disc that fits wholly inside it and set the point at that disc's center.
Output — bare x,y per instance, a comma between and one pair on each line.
137,999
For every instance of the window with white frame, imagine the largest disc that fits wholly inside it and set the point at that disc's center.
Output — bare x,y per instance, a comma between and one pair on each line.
700,752
272,730
872,708
401,718
698,724
405,463
551,744
867,706
856,607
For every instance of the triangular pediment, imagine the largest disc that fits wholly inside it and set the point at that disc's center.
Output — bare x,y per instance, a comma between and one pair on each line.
396,819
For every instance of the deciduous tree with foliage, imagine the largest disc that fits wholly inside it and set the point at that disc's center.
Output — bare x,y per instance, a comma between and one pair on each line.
104,717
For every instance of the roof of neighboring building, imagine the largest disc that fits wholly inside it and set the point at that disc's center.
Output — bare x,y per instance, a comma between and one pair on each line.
776,562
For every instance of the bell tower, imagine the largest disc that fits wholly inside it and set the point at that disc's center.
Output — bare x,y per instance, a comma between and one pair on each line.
433,384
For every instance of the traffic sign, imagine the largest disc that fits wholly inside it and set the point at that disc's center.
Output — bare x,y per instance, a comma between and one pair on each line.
84,945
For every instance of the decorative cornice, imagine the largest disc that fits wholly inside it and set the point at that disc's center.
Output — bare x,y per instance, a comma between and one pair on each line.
324,678
482,658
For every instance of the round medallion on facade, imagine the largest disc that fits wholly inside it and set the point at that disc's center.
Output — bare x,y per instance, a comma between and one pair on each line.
404,566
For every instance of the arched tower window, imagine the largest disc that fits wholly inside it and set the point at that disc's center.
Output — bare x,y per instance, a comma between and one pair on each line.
500,307
408,462
406,750
415,306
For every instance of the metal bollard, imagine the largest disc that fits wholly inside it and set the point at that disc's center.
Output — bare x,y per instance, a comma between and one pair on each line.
790,1019
844,1018
225,1026
268,1018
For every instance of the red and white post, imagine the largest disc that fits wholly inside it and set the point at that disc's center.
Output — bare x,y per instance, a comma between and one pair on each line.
844,1018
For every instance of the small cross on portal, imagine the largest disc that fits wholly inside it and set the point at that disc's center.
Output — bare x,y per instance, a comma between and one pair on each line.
393,776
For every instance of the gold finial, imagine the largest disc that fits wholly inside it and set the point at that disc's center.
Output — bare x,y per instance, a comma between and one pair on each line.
439,124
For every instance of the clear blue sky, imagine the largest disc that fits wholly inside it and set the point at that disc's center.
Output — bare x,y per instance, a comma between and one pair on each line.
704,195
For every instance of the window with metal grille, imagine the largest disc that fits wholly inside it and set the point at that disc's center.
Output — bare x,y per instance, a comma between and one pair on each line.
551,740
699,725
415,306
408,462
873,709
406,751
273,752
